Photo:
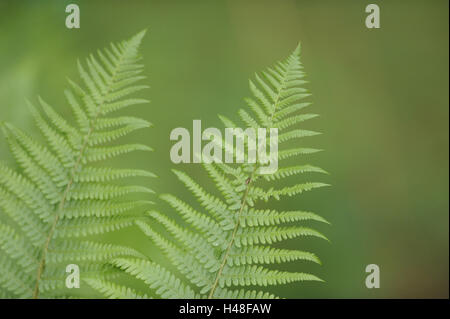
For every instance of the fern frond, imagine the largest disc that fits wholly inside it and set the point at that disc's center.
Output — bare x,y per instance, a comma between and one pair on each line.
259,276
269,235
114,291
187,264
222,293
225,251
164,282
254,217
56,195
267,255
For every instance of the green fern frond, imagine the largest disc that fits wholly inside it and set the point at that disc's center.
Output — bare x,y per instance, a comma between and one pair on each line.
156,277
57,194
226,249
115,291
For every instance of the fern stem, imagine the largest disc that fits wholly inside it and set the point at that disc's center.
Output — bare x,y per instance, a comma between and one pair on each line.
69,185
236,227
233,236
60,208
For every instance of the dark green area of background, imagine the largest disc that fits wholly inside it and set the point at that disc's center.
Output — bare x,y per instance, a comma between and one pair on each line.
382,95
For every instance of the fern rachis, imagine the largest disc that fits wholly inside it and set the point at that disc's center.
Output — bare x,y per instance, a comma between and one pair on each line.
227,244
60,194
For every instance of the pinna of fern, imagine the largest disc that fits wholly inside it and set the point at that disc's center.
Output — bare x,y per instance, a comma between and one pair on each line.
226,251
62,191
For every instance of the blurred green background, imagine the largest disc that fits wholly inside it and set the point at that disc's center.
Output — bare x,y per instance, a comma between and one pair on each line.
382,95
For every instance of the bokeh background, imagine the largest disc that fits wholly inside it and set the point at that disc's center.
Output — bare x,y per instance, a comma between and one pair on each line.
382,95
